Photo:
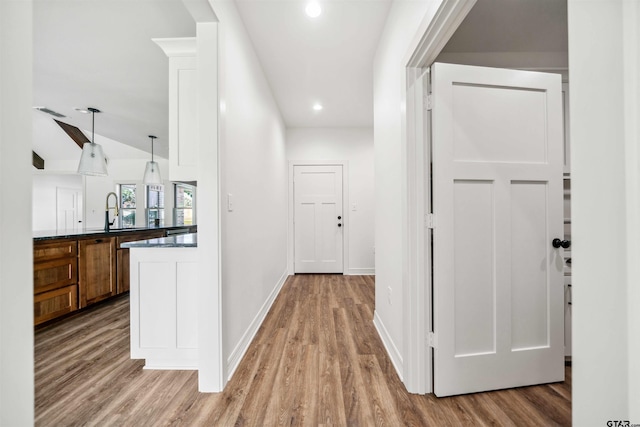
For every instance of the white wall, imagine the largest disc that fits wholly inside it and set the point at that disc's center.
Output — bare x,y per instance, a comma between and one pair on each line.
16,256
254,170
604,60
354,145
45,194
121,171
390,194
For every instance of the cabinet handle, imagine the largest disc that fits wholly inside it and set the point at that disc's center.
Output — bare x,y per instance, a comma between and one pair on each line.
98,240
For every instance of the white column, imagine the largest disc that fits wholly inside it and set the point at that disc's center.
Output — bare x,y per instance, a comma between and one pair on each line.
16,243
211,372
604,74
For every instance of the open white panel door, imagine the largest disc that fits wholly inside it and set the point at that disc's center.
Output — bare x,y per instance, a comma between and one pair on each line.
318,222
497,188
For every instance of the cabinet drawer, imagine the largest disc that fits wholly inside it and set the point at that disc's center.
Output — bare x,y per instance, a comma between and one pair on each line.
48,251
49,305
54,274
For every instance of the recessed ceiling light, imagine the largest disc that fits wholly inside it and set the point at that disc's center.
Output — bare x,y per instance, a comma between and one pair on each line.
317,106
313,9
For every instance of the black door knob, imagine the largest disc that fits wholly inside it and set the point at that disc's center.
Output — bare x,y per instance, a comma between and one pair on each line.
339,225
339,217
557,243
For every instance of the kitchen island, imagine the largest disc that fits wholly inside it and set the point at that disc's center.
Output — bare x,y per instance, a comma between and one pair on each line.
164,301
76,268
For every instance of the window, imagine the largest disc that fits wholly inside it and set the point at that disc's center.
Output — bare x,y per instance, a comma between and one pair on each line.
127,205
184,204
155,205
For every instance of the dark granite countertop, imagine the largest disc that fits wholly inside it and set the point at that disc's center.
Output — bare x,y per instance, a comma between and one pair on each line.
176,241
68,234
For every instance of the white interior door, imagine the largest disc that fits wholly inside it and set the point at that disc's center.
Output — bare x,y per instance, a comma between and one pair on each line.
318,220
498,281
68,209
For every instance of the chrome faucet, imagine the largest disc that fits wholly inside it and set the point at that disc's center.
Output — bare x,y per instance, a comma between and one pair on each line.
107,224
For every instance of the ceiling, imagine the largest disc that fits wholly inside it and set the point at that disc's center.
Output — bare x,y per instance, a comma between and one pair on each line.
99,53
513,26
328,59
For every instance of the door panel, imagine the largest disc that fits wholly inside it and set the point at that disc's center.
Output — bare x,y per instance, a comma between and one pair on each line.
474,275
529,271
318,231
497,198
68,209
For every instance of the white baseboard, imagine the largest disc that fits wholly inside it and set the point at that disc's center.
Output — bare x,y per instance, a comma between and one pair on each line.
170,365
238,352
392,350
361,272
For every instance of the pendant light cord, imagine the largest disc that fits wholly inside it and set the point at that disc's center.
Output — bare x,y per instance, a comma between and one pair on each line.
153,137
93,127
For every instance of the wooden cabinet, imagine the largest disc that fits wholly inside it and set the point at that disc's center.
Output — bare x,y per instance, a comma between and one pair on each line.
122,256
70,274
96,269
55,279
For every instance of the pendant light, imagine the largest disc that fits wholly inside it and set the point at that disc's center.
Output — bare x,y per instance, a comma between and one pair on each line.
152,171
92,160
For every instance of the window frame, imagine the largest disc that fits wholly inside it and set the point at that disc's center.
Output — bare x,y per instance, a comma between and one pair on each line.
179,211
124,209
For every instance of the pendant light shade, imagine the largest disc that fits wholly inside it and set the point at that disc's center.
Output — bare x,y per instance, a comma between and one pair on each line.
92,160
152,171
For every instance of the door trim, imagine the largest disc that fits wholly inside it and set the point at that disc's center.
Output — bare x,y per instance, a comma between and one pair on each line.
417,367
345,211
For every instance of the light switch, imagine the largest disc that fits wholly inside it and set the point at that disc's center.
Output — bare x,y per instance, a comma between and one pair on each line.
230,202
354,207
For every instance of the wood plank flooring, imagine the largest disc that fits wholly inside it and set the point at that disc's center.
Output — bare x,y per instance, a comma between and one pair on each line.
316,360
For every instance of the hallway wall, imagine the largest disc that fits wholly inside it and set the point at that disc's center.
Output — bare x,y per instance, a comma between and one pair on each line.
253,169
390,167
354,145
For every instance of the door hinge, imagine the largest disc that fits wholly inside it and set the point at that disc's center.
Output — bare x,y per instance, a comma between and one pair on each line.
432,340
429,102
429,221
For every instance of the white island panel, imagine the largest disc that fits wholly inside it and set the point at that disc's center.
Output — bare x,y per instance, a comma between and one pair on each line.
164,306
156,281
187,300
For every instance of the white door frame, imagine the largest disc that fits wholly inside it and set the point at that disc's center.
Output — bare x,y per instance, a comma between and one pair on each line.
345,211
417,362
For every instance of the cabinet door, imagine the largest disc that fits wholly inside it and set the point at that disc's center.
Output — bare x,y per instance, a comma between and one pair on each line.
96,269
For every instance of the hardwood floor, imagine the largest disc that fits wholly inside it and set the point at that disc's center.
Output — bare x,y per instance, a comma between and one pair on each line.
316,360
